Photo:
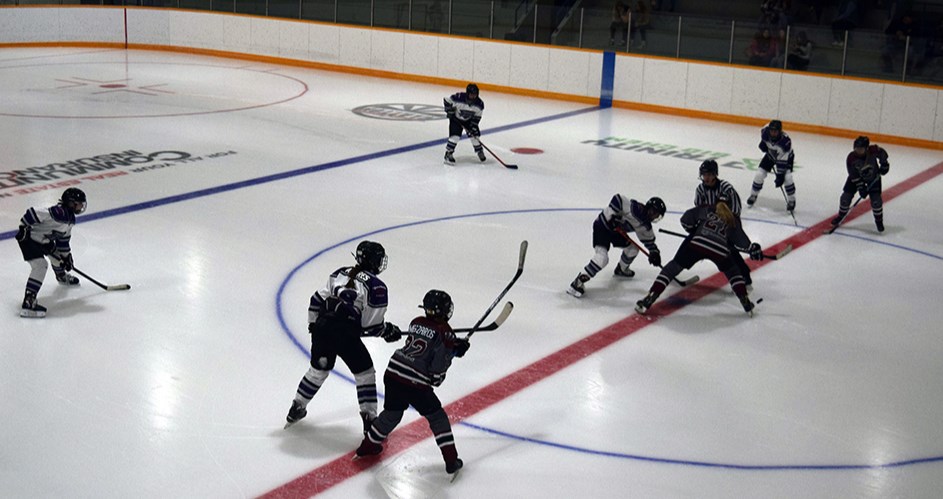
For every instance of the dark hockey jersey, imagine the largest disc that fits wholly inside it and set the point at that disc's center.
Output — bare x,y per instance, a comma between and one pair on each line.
710,234
863,170
427,355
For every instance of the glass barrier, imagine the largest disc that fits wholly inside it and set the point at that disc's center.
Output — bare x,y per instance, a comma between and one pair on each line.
808,46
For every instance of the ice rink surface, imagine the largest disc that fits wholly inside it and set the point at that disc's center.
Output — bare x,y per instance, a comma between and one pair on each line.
245,184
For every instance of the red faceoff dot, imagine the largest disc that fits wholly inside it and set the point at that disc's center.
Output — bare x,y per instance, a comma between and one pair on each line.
527,150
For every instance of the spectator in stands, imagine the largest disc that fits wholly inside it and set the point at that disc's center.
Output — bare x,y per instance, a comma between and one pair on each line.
845,20
762,49
641,19
933,49
800,53
620,22
895,37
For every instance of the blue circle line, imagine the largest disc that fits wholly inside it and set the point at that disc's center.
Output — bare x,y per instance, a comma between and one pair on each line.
585,450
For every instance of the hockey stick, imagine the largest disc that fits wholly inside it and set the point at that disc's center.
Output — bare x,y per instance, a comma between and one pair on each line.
116,287
860,198
495,156
785,251
505,312
517,275
506,165
786,199
686,282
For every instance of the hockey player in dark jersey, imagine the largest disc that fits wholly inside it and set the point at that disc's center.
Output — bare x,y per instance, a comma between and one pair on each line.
866,164
714,234
464,110
351,305
611,228
47,233
413,372
779,155
708,192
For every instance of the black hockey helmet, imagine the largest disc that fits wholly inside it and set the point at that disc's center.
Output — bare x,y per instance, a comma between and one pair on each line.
74,200
437,304
862,142
472,89
655,208
708,166
371,257
776,125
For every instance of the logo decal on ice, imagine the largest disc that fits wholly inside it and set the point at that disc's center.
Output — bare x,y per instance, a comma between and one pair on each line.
677,152
401,112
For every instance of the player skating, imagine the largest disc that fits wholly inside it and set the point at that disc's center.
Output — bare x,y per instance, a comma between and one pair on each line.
47,232
866,164
611,228
413,372
779,155
351,305
464,110
714,234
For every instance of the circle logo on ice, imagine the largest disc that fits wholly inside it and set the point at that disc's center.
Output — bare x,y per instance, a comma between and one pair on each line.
401,112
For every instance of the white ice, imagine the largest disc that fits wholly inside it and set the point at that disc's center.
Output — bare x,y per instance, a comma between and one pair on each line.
179,387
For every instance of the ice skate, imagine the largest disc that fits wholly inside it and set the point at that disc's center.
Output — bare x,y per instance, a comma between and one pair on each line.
879,224
449,159
31,309
576,287
453,468
747,305
67,279
481,155
751,200
627,273
367,448
837,220
295,414
644,304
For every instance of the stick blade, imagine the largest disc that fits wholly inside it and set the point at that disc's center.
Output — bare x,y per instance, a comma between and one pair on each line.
505,312
520,261
784,252
118,287
511,167
692,280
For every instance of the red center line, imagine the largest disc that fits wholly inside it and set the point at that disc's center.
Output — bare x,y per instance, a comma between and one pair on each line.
342,468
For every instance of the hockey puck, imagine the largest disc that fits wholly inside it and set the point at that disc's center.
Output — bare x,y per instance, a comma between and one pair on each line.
759,301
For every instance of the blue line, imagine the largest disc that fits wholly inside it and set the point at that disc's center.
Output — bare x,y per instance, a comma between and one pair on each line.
301,171
573,448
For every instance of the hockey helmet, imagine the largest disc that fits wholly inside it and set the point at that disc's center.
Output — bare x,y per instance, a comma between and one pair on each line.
862,142
371,257
472,90
437,304
776,125
74,200
656,209
708,166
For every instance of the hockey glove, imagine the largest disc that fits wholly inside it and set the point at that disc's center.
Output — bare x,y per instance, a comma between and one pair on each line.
654,257
461,346
473,130
863,190
436,379
756,252
884,168
780,179
23,233
391,333
342,306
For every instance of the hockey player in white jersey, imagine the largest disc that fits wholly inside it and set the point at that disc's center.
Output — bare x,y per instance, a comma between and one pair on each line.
779,155
464,110
611,228
351,305
46,232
